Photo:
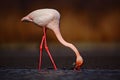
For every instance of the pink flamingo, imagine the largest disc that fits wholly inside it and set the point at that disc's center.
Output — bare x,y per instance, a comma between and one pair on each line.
49,18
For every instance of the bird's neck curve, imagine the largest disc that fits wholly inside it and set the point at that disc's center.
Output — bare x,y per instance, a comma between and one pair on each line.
61,40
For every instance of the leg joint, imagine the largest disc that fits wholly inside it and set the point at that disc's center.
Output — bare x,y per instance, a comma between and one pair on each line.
46,47
40,47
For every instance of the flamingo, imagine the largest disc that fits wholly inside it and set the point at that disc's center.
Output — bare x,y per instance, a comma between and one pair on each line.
49,19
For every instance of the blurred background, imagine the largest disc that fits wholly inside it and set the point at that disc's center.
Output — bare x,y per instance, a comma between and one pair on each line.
93,26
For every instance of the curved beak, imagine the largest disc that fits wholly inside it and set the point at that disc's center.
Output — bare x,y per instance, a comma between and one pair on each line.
78,65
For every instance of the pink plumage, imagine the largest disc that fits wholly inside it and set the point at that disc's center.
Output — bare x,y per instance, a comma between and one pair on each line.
49,18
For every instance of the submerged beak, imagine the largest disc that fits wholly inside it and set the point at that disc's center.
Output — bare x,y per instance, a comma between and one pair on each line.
78,65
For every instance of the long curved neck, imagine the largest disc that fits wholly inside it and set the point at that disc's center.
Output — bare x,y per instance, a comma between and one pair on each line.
61,40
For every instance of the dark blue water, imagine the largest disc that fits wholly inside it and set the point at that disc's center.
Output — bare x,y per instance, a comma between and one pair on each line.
50,74
101,62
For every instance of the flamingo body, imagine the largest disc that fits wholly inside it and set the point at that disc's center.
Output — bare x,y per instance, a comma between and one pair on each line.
44,18
49,18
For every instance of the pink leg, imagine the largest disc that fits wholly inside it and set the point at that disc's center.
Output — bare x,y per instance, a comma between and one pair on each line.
40,58
46,47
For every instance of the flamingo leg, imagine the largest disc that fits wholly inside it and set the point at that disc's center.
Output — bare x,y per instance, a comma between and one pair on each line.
40,58
46,47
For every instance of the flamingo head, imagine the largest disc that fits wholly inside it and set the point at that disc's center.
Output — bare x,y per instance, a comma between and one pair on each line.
79,62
